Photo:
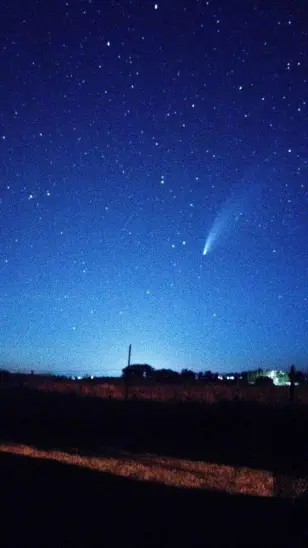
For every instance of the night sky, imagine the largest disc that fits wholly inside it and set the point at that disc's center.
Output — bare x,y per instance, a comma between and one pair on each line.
135,137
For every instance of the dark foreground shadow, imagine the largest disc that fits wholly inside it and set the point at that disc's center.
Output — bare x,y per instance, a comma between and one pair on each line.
51,504
237,433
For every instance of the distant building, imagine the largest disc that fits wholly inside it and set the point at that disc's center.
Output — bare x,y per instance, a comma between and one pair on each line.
279,378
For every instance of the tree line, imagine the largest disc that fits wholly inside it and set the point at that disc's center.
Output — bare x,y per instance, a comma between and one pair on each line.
139,372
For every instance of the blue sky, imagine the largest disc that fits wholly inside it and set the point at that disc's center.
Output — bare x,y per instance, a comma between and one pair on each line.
129,133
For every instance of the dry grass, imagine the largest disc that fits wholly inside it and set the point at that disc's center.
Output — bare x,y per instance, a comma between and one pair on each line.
211,393
177,472
167,471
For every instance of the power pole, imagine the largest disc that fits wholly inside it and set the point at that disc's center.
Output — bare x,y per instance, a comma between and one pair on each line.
292,382
127,375
129,354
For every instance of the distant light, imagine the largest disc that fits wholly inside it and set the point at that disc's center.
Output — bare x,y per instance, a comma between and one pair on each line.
91,377
156,6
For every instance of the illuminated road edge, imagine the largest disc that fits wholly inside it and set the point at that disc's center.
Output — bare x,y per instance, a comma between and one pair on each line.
164,470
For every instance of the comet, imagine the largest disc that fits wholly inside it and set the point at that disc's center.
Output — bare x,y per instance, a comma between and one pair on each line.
209,242
229,215
218,229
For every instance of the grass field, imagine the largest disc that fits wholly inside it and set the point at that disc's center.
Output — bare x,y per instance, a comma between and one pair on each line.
186,462
201,392
163,470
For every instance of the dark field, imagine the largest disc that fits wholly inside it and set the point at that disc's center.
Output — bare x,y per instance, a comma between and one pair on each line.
81,467
198,391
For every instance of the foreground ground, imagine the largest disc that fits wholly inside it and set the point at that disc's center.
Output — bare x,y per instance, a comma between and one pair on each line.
46,503
84,471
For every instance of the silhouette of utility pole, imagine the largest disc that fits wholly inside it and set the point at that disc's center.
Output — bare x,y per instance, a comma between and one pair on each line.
127,375
292,382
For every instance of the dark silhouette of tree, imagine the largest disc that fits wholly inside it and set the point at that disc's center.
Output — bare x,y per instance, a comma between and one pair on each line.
4,376
299,377
188,375
208,376
138,371
244,376
264,381
166,375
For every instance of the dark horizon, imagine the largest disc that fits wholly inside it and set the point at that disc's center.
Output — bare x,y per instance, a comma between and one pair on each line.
109,373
